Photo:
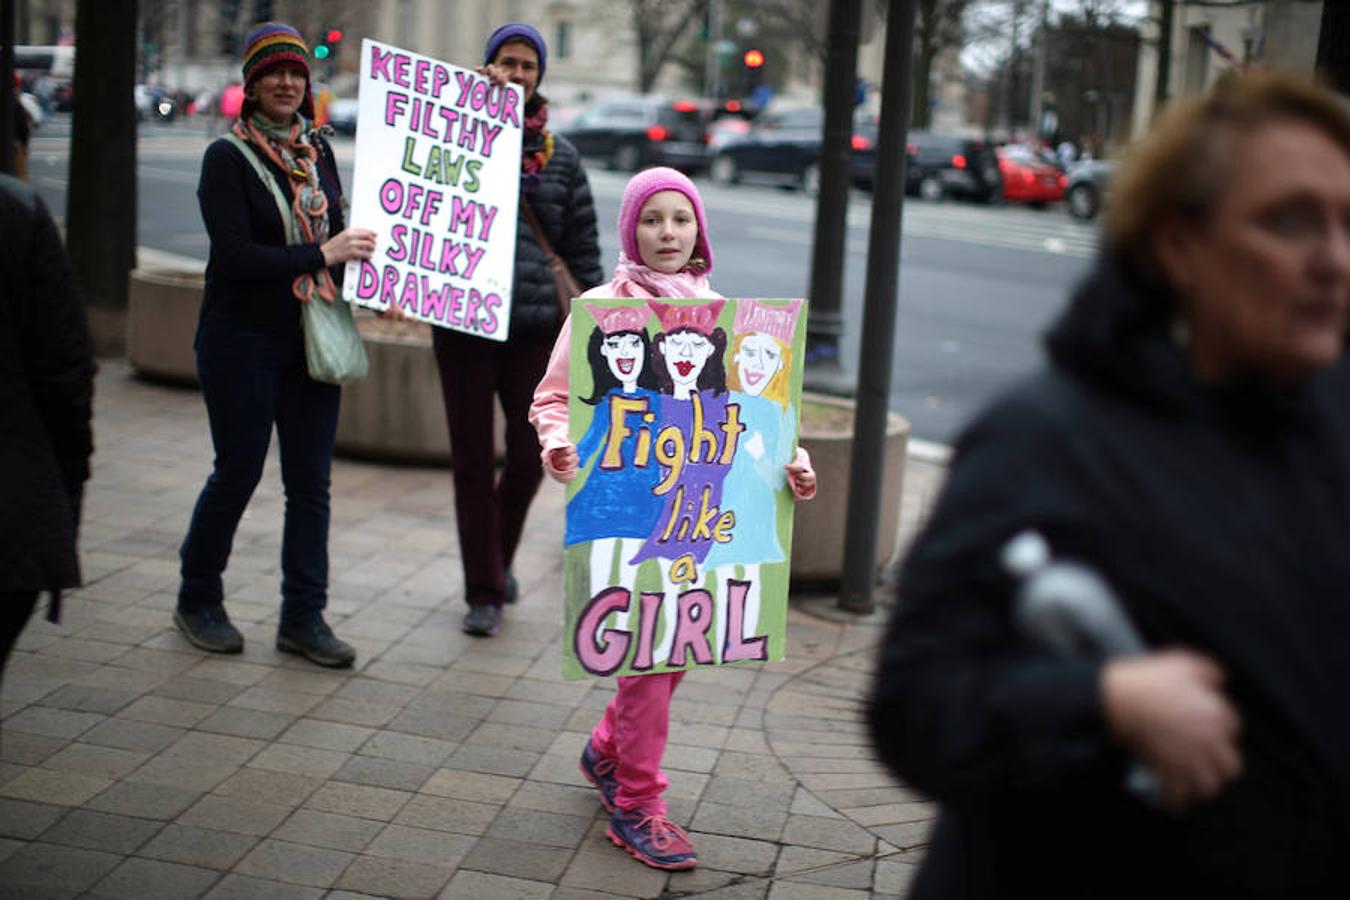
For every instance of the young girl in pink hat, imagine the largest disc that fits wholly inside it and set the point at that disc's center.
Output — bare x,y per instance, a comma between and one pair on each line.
666,253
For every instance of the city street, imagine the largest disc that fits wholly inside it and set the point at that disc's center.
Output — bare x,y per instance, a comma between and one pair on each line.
978,284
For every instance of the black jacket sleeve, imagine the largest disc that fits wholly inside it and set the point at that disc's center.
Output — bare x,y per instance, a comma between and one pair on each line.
60,354
233,199
965,707
580,244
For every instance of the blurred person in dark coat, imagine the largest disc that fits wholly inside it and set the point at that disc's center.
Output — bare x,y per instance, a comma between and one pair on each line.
46,390
1190,441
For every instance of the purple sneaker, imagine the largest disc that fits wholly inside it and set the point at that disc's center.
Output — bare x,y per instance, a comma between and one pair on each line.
599,771
654,840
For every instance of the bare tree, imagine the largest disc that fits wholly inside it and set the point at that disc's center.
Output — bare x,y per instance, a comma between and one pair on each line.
101,205
658,27
794,23
939,24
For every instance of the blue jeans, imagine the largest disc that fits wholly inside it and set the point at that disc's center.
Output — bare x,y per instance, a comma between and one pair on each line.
249,382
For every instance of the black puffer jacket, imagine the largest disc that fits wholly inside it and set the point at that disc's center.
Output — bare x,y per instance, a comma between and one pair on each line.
1220,514
46,390
562,201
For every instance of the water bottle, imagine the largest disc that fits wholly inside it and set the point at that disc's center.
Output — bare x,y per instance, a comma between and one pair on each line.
1070,608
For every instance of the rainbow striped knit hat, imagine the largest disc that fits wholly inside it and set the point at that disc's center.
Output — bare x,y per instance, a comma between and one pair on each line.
271,44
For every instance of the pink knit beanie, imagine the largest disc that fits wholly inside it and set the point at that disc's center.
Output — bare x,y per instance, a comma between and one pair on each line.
640,189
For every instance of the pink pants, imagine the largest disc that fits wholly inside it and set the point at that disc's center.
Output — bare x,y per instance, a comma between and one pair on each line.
633,732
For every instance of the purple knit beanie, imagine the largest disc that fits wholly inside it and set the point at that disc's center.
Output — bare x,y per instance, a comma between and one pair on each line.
640,189
516,31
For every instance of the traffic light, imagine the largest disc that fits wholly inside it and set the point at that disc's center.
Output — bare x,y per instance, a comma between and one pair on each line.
754,59
327,45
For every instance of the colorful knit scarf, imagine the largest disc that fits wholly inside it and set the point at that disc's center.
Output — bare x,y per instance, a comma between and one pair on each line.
290,148
538,141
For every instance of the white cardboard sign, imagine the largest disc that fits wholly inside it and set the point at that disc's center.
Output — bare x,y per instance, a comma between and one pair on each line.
437,178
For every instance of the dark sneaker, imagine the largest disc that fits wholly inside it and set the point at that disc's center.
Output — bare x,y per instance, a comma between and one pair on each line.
599,771
209,629
482,619
316,642
512,589
654,840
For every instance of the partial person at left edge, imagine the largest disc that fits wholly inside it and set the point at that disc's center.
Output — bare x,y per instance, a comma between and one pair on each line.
251,349
46,395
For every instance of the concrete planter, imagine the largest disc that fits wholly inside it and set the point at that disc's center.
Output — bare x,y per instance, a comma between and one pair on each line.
162,310
818,533
394,414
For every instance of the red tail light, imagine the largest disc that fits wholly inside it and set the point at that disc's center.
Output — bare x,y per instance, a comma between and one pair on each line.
684,106
958,161
911,149
658,133
1028,176
733,106
1064,181
859,142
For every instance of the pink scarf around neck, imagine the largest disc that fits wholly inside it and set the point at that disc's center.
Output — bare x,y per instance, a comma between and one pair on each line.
633,279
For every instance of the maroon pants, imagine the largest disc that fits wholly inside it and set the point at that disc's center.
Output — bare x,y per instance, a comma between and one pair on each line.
490,512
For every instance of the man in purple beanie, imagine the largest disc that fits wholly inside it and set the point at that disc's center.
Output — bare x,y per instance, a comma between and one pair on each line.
490,512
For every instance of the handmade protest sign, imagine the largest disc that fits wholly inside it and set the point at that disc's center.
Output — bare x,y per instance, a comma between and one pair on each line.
437,178
679,522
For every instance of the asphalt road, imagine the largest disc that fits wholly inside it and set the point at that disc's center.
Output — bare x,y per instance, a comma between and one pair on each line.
978,285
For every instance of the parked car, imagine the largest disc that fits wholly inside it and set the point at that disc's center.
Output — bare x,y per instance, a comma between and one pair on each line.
1089,181
939,166
153,103
725,131
781,147
631,133
342,114
1028,178
863,157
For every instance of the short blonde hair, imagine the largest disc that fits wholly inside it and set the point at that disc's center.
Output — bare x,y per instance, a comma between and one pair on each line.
777,389
1180,169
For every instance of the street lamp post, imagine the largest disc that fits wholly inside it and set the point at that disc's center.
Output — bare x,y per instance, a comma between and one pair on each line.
878,327
7,98
824,324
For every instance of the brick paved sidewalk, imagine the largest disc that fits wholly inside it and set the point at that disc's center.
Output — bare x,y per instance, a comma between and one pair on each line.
134,766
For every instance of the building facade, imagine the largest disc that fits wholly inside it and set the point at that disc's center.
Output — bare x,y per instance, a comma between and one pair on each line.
1207,41
194,45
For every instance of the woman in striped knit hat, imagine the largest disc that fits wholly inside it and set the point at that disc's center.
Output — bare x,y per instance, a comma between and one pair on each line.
272,204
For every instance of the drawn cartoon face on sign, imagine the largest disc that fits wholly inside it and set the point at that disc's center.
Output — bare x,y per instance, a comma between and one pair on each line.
686,354
626,355
758,360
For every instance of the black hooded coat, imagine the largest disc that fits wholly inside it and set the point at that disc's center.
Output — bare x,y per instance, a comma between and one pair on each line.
46,395
1220,515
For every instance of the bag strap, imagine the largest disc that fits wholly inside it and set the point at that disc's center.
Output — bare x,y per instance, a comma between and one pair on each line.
538,230
283,206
